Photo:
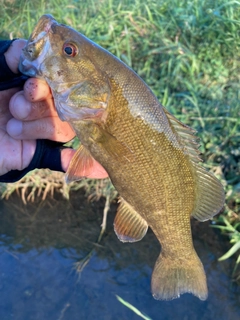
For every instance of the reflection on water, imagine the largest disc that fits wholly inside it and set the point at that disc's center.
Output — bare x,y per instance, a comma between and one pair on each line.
41,242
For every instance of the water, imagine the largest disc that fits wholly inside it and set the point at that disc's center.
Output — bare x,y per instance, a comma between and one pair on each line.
41,243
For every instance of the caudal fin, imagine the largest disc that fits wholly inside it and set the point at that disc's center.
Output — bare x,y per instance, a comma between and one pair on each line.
171,278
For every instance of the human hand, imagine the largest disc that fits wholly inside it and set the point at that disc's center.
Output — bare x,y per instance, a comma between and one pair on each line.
29,115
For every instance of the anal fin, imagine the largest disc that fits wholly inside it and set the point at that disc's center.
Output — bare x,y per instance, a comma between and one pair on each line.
128,224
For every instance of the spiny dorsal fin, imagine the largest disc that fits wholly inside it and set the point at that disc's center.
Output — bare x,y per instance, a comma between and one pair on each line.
186,135
210,195
128,224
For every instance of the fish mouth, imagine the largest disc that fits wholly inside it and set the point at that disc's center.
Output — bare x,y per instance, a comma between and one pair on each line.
28,68
32,58
30,61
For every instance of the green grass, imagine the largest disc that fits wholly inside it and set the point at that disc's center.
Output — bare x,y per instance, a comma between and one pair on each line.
134,309
187,51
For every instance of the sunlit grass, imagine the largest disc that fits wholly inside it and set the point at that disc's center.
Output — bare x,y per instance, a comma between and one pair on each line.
134,309
188,52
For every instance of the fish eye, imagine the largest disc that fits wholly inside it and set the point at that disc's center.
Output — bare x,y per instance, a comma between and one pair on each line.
69,49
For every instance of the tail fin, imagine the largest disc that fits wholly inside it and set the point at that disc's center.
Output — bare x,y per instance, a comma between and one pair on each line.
171,278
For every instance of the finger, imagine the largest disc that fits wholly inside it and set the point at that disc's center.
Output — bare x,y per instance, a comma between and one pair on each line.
36,90
66,156
17,155
13,54
98,172
47,128
22,109
5,97
28,150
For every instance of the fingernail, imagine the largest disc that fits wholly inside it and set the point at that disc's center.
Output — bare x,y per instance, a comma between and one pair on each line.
22,107
14,127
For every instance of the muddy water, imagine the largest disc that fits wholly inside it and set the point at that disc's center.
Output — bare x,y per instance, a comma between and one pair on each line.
41,243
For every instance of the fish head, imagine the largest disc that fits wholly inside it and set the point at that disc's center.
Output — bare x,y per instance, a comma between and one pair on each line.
63,58
51,52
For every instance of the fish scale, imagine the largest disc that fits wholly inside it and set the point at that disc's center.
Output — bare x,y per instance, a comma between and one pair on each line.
152,158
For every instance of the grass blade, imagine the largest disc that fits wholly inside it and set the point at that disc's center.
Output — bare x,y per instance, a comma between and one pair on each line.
134,309
230,252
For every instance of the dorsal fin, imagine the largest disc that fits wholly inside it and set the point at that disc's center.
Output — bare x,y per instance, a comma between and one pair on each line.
128,224
209,191
210,195
186,137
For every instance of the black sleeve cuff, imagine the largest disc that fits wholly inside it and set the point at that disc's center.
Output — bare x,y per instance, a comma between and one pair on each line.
8,79
5,72
47,155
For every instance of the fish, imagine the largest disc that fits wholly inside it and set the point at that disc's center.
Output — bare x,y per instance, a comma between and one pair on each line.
152,159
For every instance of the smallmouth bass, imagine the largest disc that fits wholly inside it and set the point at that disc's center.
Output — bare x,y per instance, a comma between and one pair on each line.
152,158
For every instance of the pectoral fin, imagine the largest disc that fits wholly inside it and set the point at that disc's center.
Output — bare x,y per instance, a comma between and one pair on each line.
128,224
80,165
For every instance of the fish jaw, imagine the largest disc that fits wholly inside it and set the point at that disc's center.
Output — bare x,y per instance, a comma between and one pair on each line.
32,66
37,49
